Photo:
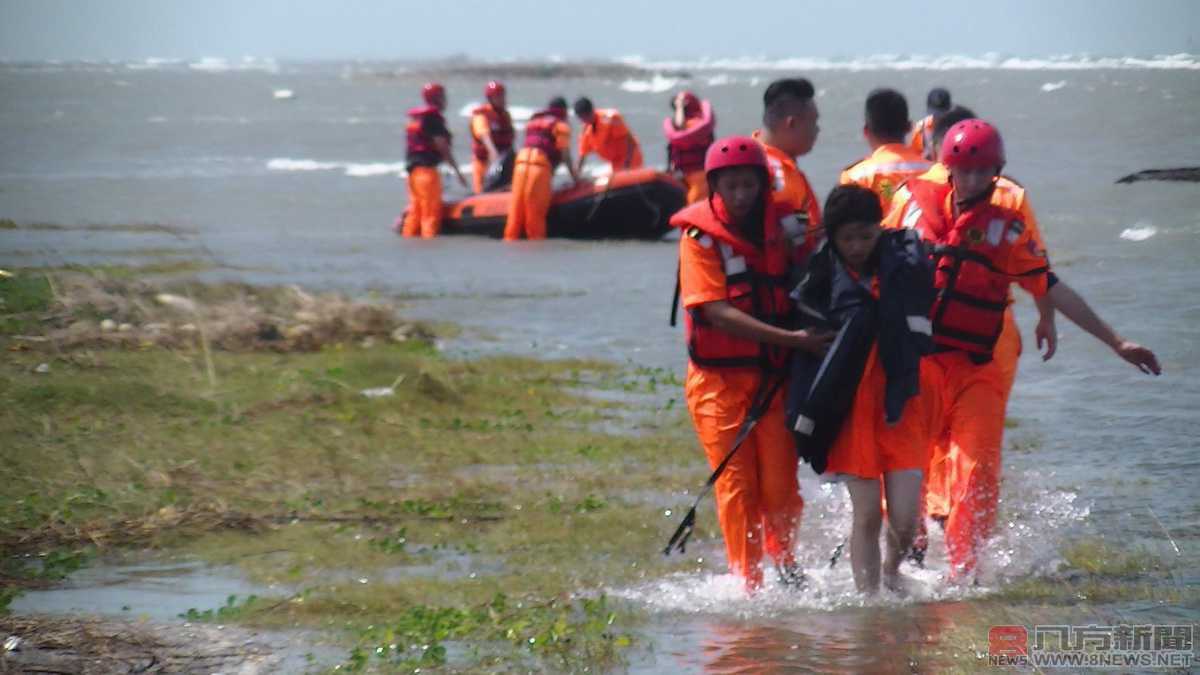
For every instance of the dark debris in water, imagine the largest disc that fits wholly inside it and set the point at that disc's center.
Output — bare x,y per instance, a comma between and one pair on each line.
1182,175
92,645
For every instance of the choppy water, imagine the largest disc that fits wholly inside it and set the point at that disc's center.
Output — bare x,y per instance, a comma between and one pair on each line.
304,189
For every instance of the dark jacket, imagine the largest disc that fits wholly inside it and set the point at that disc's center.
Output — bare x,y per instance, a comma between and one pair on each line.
821,391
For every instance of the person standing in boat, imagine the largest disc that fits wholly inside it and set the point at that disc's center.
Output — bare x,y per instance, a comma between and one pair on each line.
547,144
891,162
605,133
734,262
428,142
789,131
491,133
689,130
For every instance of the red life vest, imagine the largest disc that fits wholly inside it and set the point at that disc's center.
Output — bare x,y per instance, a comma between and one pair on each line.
421,149
539,133
973,291
756,281
500,128
686,147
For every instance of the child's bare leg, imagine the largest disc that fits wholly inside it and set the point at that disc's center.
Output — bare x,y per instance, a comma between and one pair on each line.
903,499
864,537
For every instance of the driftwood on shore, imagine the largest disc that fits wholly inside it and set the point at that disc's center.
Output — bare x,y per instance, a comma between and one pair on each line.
1181,175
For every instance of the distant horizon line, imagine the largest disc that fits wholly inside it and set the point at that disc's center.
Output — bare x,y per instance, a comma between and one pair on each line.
636,60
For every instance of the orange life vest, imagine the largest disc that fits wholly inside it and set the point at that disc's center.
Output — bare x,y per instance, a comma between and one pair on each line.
884,170
972,289
686,147
500,128
756,280
421,149
539,133
918,138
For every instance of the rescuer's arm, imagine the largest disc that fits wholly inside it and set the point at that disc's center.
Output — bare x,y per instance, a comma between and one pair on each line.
730,319
493,153
678,119
1046,332
1074,307
443,146
483,131
571,166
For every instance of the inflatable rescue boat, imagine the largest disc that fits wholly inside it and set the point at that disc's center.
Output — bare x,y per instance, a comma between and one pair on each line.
634,204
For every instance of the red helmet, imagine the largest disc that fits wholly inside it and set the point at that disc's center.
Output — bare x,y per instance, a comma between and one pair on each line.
433,93
691,104
972,144
493,88
734,151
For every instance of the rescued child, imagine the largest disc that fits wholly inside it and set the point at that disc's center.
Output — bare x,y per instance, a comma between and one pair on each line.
866,412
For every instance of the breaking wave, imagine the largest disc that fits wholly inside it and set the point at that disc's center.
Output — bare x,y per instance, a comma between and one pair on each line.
990,61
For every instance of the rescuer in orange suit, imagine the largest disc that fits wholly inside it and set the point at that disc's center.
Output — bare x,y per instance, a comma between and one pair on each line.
689,131
891,162
734,259
547,144
937,103
428,142
491,132
988,239
789,131
604,133
936,487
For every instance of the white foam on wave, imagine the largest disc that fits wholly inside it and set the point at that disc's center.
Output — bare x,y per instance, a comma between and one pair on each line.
1139,232
351,169
283,94
374,169
520,113
655,85
989,61
154,63
288,164
1054,86
216,64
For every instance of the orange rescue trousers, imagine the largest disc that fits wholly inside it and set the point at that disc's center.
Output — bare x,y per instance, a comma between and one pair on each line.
758,496
424,216
963,481
531,194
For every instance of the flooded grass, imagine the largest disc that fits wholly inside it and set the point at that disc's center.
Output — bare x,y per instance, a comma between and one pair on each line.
277,462
422,510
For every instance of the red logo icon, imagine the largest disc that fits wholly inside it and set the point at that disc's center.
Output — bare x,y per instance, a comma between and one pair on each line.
1008,641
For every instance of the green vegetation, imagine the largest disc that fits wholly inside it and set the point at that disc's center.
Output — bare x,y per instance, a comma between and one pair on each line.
471,502
430,511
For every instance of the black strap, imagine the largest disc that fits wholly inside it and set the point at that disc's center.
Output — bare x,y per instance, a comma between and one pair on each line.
976,302
960,253
974,338
675,299
758,407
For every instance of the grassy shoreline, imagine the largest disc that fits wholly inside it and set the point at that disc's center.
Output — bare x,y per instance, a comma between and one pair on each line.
423,511
276,461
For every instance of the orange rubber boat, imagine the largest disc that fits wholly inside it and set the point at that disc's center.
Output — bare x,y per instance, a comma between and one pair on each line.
634,204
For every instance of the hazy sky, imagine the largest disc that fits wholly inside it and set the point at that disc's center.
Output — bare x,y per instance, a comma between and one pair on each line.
403,29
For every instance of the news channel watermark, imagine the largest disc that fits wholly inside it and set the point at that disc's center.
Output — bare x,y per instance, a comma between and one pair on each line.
1118,647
